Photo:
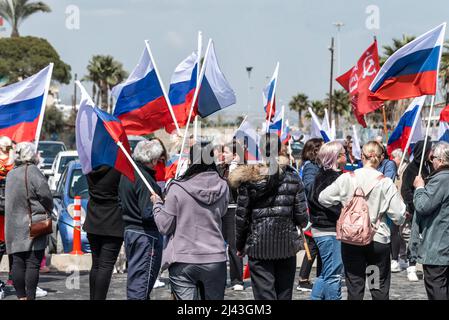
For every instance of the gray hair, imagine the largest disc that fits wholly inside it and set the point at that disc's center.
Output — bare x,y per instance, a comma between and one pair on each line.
147,151
26,153
441,152
397,153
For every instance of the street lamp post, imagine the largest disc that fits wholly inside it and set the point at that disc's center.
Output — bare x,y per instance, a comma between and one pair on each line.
339,25
249,69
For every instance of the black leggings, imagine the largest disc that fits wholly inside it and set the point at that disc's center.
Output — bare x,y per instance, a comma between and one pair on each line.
105,250
25,273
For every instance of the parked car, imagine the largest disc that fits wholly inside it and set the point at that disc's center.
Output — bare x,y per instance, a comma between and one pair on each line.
48,151
72,183
61,161
133,141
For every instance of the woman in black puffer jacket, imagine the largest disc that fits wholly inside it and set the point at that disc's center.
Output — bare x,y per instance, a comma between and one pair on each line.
269,208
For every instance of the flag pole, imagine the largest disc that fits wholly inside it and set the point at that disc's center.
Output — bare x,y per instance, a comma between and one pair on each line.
385,123
273,96
283,119
44,104
427,134
170,108
145,181
186,131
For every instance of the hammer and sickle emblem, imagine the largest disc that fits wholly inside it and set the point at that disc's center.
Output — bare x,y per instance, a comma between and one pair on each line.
368,67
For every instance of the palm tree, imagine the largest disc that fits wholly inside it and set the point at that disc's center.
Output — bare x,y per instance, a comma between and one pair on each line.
104,72
341,104
299,103
16,11
397,44
318,107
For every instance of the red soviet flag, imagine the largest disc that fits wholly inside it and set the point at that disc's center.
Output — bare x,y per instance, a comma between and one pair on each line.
357,81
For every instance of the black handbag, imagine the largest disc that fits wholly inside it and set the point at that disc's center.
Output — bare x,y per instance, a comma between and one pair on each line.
40,228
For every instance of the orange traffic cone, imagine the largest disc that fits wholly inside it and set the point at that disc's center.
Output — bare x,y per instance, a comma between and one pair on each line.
77,227
246,274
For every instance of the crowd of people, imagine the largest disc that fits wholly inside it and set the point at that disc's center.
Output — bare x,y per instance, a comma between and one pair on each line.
221,209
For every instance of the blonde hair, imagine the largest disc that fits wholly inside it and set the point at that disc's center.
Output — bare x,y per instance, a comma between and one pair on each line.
373,151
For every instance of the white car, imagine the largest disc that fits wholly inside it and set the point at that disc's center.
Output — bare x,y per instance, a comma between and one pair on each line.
61,160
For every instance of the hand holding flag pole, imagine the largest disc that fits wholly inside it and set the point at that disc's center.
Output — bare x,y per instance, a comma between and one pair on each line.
306,245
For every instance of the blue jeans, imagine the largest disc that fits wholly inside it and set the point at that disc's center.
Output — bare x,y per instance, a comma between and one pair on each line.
328,285
144,254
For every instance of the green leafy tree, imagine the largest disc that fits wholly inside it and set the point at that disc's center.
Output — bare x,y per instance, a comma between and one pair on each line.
53,122
444,70
25,56
16,11
104,72
299,103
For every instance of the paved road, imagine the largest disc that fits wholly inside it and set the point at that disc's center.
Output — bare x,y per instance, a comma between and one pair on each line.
61,286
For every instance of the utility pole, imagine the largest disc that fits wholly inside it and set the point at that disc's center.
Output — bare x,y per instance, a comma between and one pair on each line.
331,80
74,93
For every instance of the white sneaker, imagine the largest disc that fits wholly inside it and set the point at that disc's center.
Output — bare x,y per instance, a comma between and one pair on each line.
238,287
40,293
403,264
395,266
411,274
158,284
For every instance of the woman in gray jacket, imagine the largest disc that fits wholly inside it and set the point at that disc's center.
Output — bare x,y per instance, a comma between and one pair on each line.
431,201
27,253
191,218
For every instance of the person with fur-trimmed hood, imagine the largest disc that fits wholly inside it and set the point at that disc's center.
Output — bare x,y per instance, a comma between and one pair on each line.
271,204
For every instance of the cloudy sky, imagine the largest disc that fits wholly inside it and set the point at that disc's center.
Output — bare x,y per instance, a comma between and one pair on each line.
255,33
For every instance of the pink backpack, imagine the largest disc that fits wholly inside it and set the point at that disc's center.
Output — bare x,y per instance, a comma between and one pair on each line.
354,225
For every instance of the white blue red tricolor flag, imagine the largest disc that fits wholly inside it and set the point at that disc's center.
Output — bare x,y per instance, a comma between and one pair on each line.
316,130
140,100
182,88
215,92
251,140
22,106
412,71
277,124
269,95
408,128
444,125
97,134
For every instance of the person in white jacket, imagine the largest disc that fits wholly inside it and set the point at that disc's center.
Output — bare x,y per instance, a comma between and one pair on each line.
384,200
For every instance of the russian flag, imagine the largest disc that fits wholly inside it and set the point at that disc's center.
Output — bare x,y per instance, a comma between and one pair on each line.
140,100
285,137
276,126
443,131
412,71
215,92
250,138
269,95
409,128
171,166
182,89
316,130
22,106
97,135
